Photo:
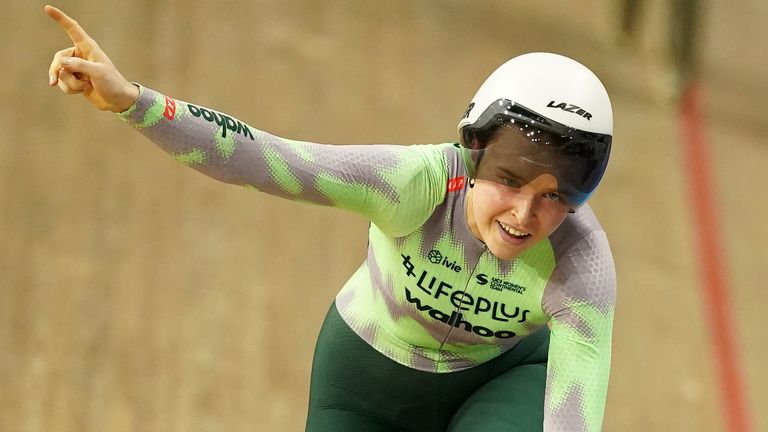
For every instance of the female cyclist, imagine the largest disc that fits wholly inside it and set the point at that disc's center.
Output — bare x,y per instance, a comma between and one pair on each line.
486,300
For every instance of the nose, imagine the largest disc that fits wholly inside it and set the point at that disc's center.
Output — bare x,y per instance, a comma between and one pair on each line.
523,210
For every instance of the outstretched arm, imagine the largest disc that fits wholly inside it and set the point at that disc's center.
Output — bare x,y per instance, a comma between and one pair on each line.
396,187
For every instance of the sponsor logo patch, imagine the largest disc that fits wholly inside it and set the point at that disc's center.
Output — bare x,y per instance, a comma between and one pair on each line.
463,307
456,183
170,108
226,122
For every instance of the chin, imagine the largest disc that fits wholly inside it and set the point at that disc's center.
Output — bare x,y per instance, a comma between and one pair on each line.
505,253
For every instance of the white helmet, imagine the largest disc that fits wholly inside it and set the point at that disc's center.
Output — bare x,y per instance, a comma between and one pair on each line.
558,102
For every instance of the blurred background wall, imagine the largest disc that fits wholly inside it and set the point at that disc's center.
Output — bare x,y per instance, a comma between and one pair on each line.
138,295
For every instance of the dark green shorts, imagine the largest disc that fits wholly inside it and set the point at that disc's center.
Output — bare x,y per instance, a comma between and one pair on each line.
357,389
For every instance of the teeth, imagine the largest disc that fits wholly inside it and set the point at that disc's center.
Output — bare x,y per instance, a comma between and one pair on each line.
513,231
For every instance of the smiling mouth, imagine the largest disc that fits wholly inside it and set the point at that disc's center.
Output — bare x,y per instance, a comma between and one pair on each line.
513,232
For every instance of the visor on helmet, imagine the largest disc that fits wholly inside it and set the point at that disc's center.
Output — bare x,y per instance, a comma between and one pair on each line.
576,158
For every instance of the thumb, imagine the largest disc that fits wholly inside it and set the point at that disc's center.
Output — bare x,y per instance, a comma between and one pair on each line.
79,65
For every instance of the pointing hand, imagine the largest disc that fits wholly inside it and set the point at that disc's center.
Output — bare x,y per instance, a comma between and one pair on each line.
85,69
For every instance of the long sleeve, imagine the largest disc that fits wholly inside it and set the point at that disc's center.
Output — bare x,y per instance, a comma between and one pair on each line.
396,187
579,363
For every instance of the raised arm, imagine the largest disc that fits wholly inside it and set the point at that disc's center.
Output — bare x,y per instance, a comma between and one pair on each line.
396,187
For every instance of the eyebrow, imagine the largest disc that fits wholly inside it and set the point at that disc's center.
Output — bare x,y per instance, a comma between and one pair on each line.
512,175
520,180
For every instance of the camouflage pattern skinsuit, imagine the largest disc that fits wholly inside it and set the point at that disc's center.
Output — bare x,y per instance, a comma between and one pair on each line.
430,295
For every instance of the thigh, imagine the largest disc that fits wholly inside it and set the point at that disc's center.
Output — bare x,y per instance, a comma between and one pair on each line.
331,419
356,388
513,401
337,400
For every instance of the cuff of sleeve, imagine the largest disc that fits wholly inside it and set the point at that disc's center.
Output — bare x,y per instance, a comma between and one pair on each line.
132,108
136,113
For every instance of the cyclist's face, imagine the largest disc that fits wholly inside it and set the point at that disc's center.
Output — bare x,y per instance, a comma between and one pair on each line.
515,202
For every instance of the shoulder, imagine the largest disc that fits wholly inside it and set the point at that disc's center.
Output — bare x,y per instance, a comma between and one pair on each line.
584,270
576,228
445,156
580,239
436,168
420,178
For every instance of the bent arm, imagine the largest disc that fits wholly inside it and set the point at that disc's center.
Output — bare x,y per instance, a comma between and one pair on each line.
580,345
396,187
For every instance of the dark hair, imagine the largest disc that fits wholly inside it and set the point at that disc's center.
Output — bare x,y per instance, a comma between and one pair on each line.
479,140
482,136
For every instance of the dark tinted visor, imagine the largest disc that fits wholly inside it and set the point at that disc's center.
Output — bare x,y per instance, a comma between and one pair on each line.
532,145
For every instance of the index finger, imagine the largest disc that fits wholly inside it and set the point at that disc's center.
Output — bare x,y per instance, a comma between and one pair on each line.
73,29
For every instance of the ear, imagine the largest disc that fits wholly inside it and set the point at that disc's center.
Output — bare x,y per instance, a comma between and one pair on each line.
476,144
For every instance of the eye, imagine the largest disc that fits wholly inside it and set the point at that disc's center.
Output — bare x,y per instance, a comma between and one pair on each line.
511,182
553,196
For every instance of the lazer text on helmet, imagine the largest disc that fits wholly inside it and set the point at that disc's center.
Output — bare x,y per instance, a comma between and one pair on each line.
571,108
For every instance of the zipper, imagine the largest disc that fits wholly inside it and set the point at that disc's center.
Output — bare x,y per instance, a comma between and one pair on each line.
464,293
